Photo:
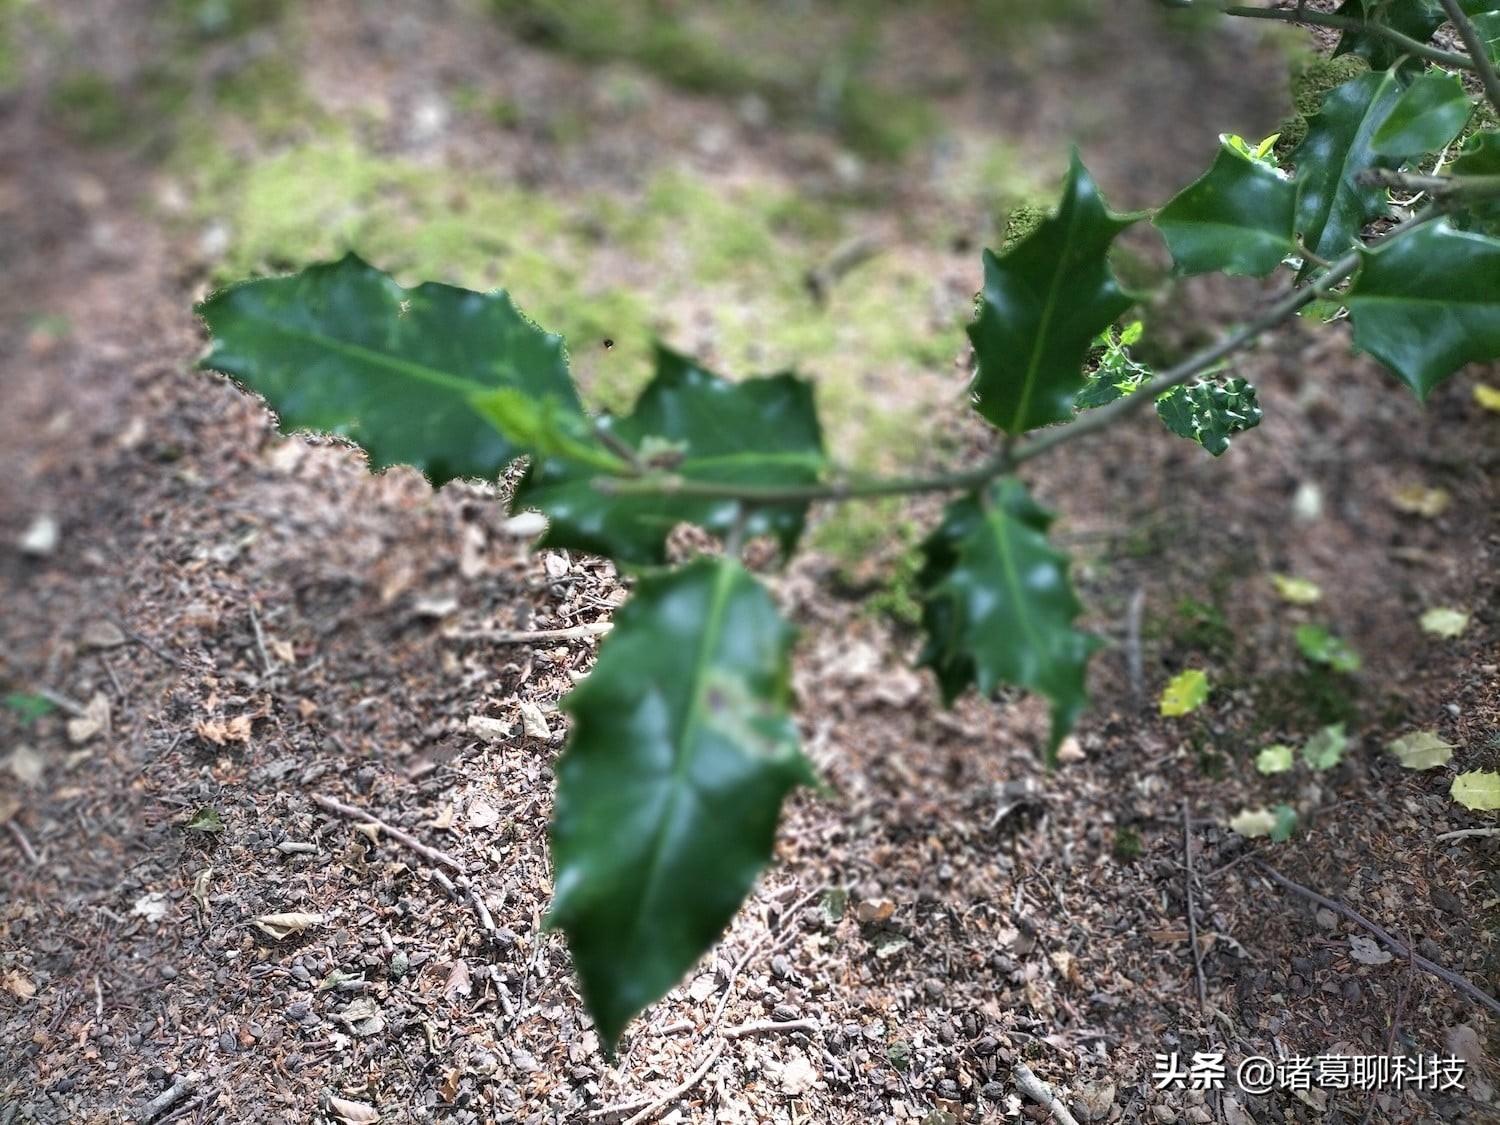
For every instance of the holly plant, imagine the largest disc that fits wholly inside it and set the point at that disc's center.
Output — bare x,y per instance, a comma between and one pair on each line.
683,744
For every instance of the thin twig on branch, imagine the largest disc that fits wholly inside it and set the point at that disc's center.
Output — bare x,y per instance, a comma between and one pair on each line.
1478,48
1302,14
1010,456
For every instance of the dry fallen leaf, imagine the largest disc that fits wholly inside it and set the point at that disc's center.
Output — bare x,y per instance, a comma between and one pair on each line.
1420,500
27,765
152,906
352,1113
458,983
1445,622
102,634
19,986
488,729
1366,952
533,722
93,721
483,815
281,926
1070,750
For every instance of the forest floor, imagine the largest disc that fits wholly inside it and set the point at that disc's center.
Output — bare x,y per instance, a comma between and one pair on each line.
236,637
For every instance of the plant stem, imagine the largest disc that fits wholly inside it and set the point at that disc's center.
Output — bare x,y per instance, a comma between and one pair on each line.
1011,454
1439,187
1301,15
1478,48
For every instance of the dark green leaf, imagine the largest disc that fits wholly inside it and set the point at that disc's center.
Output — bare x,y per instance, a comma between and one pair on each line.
1322,647
1480,156
1238,218
1428,302
1210,413
1332,205
700,427
1415,18
671,785
341,348
1431,112
1044,301
998,607
1286,823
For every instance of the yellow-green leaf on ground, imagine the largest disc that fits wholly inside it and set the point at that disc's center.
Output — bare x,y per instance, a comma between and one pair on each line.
1477,789
1274,759
1184,693
1487,396
1277,823
1324,749
1251,823
1422,750
1444,622
1298,591
1420,500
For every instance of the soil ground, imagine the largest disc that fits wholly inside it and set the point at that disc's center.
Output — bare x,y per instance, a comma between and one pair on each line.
235,624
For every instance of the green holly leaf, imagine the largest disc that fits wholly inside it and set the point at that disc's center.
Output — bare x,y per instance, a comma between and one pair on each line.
1333,205
1185,693
1480,156
695,426
1429,114
998,607
1210,413
1427,303
1322,647
1417,19
341,348
1238,218
1477,789
1044,302
1423,750
669,790
1324,750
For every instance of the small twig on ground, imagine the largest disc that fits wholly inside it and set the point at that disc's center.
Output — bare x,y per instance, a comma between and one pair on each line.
1456,980
1187,855
771,1027
846,256
1463,833
62,702
1134,668
109,670
1039,1092
260,642
432,855
23,842
754,948
527,636
1390,1039
170,1096
152,648
661,1103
